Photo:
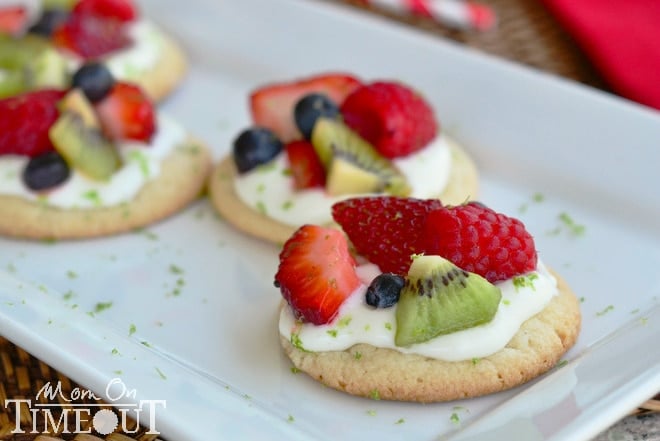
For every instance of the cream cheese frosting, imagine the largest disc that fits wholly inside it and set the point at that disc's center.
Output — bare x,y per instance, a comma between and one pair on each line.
357,322
269,188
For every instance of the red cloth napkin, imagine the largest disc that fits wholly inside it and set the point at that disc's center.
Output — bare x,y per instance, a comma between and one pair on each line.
622,39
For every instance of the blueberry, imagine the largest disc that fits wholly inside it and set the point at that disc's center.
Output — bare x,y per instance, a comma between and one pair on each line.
384,290
94,79
255,146
309,108
45,171
48,21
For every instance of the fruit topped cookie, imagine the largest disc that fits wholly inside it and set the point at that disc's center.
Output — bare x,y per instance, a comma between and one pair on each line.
44,42
417,301
92,160
325,138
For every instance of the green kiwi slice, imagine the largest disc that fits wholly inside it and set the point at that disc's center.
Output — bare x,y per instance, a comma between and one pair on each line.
352,164
440,298
30,63
77,137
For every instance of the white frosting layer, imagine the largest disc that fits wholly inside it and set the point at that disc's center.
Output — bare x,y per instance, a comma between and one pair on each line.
269,188
142,55
141,163
358,322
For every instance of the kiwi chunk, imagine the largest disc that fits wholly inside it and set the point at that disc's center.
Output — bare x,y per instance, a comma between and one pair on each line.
440,298
30,63
352,164
77,136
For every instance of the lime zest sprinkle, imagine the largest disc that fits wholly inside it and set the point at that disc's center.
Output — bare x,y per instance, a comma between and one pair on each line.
102,306
175,269
131,329
400,421
374,394
567,221
141,159
297,342
93,196
605,311
524,281
344,321
538,197
332,333
161,374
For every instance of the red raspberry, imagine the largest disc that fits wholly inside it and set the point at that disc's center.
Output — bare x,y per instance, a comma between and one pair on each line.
396,120
25,120
91,36
385,230
479,240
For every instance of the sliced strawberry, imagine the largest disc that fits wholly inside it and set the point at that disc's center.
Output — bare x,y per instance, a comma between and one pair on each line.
305,165
91,37
25,120
395,119
121,10
316,273
386,230
127,113
12,19
272,105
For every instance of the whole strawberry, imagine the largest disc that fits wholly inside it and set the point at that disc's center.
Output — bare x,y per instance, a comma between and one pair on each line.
25,120
386,230
316,273
479,240
395,119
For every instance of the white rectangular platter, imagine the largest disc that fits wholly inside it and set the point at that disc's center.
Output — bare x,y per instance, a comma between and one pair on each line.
193,315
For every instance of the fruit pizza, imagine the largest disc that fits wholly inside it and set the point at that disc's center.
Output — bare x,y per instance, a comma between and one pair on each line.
320,139
419,301
91,160
42,42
